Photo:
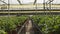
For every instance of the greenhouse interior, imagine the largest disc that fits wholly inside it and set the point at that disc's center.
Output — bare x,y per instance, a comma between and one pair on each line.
29,16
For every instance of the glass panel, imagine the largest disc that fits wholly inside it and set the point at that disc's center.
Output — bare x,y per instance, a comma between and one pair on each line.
28,1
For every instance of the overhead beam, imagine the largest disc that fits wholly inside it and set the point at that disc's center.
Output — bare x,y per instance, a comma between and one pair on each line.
27,12
32,10
51,13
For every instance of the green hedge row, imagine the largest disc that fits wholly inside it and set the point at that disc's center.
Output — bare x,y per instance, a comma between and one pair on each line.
48,23
10,23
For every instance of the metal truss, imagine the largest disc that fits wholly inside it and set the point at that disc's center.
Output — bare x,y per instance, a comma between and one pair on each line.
19,2
3,2
47,4
46,7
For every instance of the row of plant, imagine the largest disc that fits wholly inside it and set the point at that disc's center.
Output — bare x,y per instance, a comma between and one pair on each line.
48,24
10,23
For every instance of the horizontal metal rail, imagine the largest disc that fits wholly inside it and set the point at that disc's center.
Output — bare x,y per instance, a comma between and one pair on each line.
31,8
29,12
3,14
34,10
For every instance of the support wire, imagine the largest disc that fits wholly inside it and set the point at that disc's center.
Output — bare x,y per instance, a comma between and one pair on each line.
8,8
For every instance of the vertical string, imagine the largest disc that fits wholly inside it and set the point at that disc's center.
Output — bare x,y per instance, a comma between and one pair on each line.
48,11
8,12
8,8
44,4
36,9
44,8
52,13
46,14
50,7
0,5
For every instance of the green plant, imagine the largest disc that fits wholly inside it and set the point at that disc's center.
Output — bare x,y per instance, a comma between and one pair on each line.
47,23
3,32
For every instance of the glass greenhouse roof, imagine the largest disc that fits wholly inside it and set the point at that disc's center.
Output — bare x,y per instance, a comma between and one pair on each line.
27,1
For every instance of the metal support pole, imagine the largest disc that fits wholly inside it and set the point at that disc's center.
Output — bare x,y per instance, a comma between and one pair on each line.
8,8
49,5
44,4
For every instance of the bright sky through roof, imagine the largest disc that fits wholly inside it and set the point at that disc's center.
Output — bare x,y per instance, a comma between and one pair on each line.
29,1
